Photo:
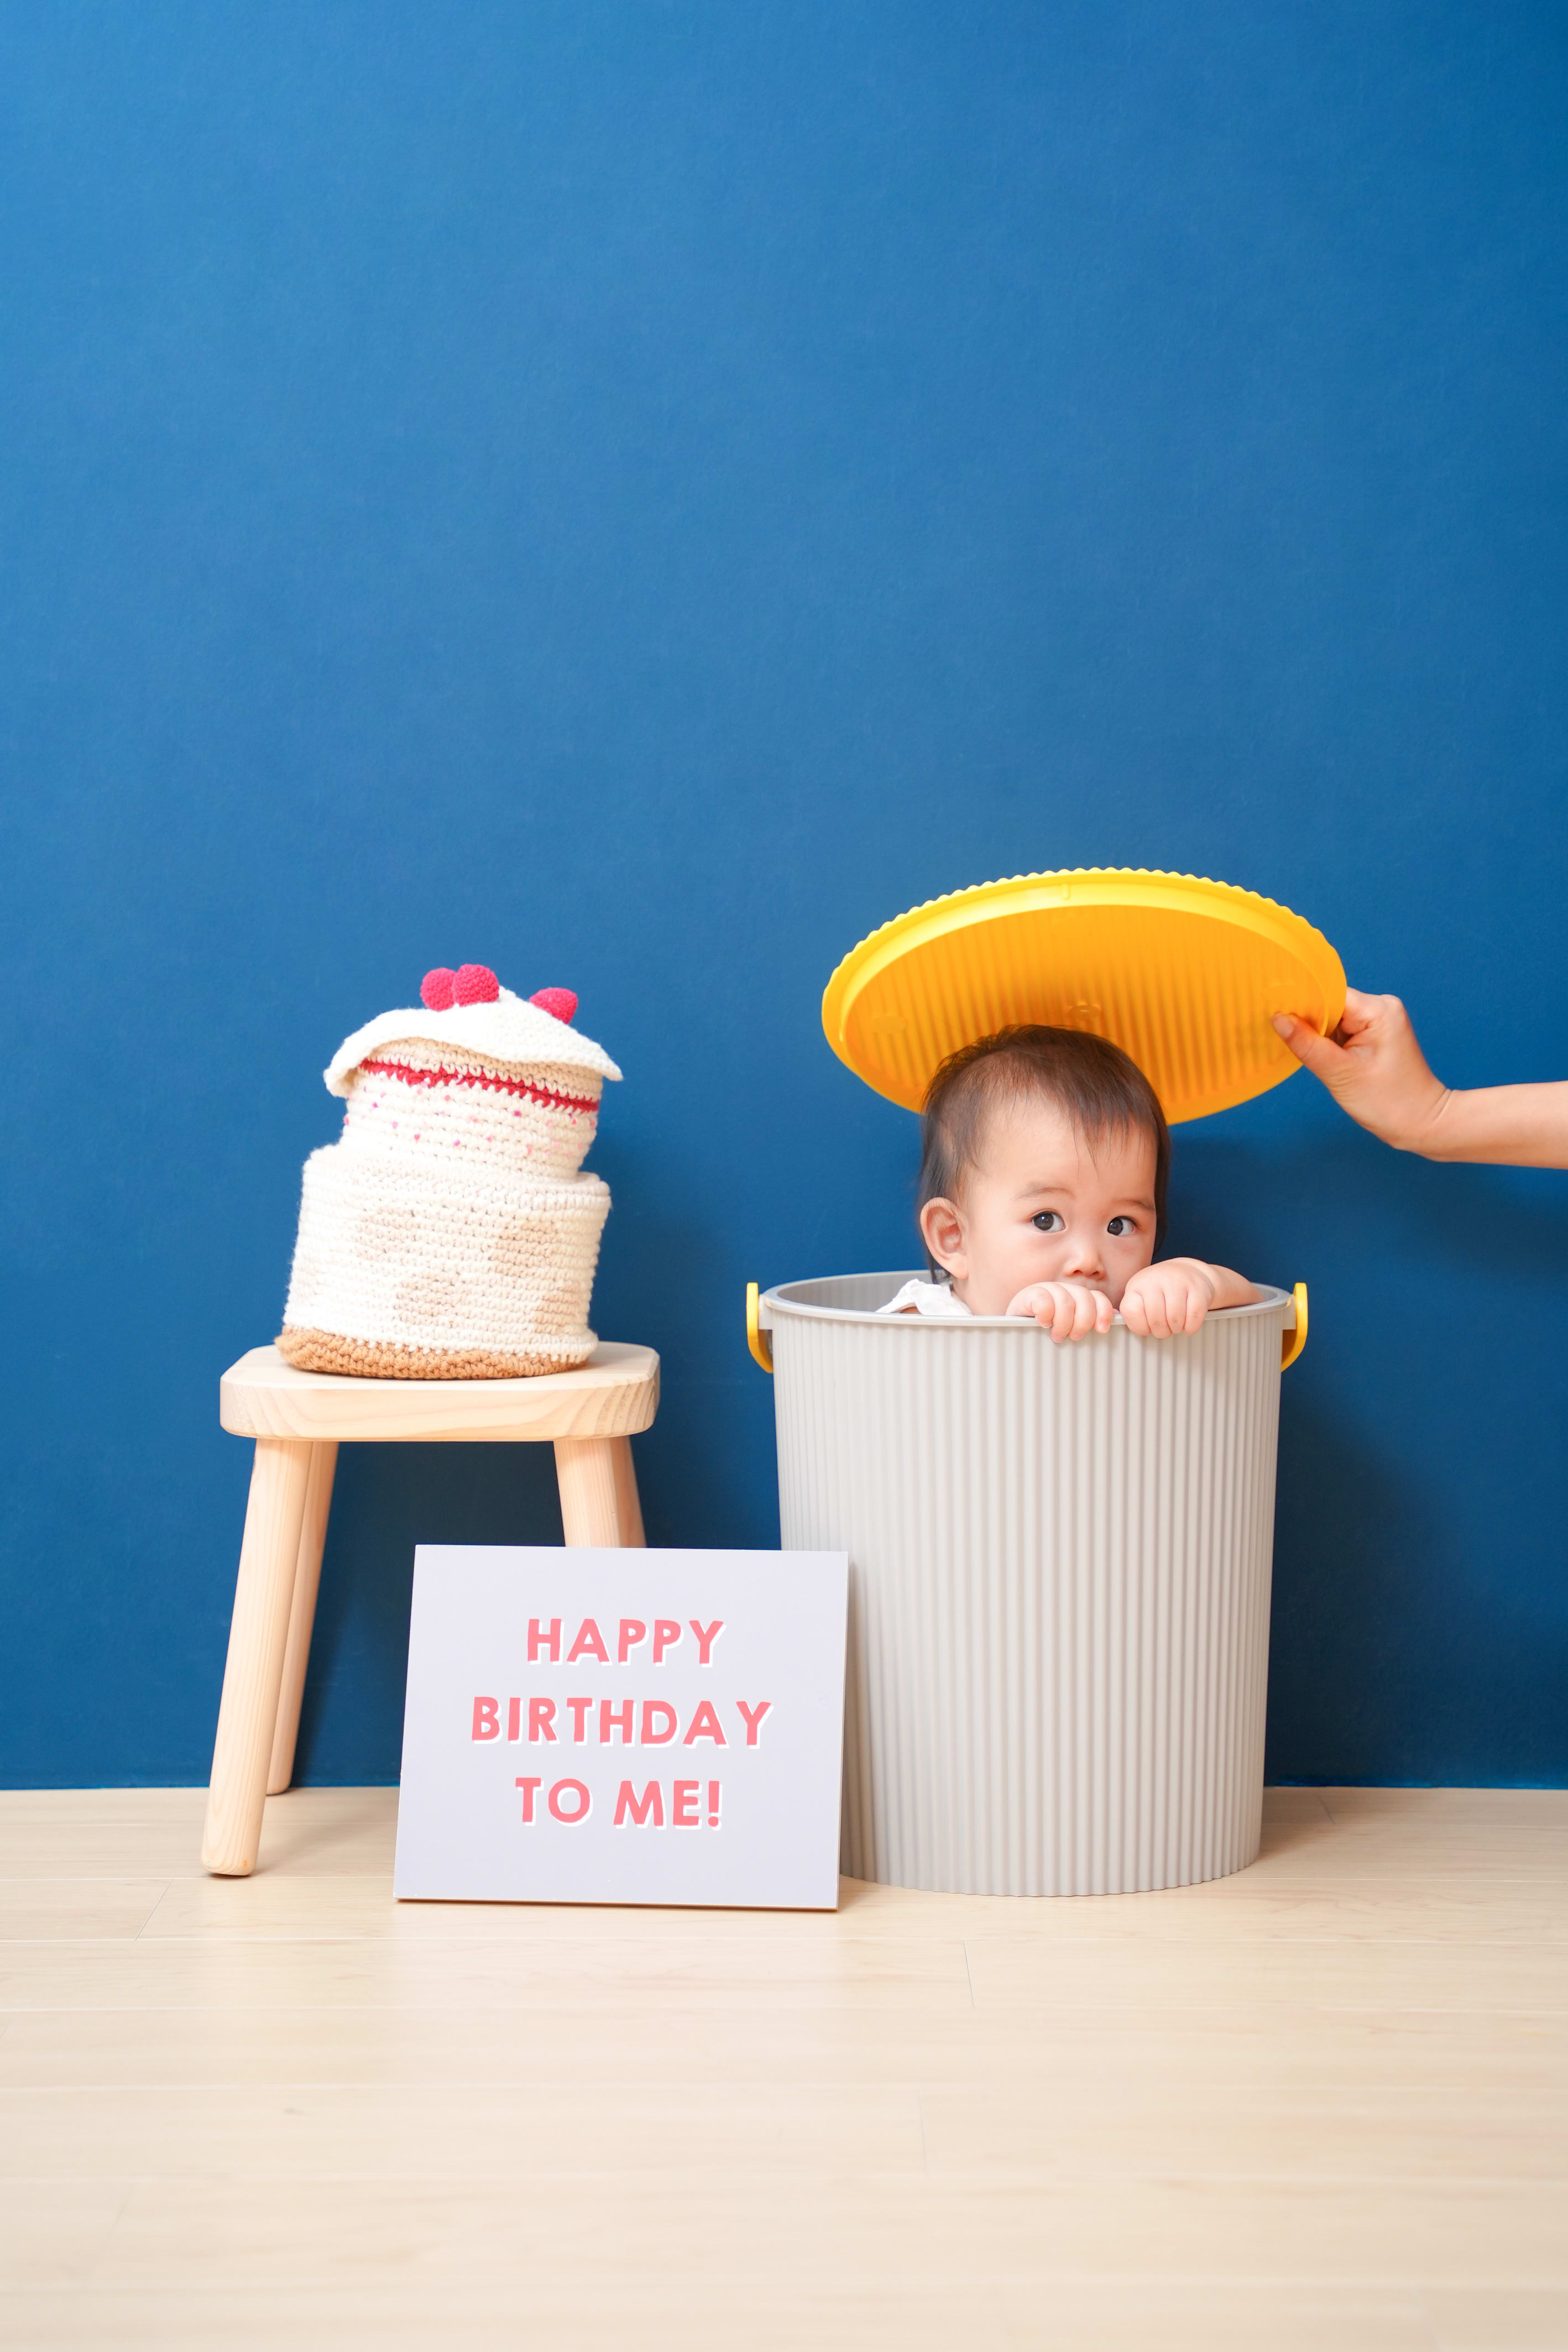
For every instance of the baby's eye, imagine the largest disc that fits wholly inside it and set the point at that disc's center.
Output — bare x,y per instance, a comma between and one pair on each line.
1049,1222
1121,1226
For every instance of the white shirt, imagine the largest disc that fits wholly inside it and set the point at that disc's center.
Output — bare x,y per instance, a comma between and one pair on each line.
926,1298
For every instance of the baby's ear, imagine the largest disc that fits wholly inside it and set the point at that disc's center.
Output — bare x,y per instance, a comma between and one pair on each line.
942,1230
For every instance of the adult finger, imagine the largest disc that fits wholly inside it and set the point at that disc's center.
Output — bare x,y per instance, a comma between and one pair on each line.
1362,1010
1319,1054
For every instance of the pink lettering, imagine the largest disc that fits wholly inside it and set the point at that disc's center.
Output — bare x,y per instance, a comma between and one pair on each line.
632,1631
683,1811
615,1718
581,1801
538,1642
650,1708
514,1720
541,1718
590,1643
487,1718
579,1708
628,1805
706,1637
753,1717
705,1724
666,1633
528,1788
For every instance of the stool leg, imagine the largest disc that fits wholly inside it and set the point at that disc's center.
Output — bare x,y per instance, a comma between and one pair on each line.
268,1557
302,1615
598,1491
629,1509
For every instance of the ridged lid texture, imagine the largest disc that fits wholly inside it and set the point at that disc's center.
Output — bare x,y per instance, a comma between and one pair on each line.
1183,973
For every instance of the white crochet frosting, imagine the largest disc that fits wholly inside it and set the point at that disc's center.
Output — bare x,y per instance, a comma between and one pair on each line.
450,1233
509,1030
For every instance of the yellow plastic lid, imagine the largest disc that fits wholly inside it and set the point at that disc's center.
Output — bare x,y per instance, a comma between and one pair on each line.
1183,974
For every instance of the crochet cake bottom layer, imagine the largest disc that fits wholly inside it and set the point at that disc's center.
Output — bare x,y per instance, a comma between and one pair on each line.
410,1270
374,1359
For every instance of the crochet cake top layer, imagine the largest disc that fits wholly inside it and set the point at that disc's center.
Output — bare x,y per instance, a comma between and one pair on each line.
469,1012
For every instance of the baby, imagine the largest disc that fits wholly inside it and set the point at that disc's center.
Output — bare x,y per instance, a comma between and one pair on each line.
1042,1192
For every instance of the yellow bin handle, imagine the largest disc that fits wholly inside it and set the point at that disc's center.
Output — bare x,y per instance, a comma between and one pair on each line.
761,1342
1292,1342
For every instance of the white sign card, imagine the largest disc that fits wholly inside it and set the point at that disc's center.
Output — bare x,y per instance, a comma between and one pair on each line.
623,1727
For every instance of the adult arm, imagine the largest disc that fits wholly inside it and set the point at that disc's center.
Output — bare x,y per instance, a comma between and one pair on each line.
1375,1070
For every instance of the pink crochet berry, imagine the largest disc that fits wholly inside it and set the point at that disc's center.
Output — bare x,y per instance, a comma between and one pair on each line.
437,989
561,1002
476,984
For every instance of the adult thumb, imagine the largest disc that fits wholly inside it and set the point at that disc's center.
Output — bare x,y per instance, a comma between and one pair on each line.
1319,1054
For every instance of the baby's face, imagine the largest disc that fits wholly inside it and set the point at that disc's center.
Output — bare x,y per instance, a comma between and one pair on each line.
1040,1207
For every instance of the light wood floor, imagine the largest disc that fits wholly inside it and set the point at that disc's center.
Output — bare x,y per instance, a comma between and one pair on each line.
1323,2104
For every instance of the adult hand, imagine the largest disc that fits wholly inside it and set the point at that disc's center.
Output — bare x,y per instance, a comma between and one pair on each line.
1374,1069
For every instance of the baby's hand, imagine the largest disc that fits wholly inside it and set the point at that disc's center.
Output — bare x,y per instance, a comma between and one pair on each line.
1068,1311
1164,1299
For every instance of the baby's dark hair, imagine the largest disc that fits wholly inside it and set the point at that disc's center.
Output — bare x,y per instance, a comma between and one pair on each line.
1099,1087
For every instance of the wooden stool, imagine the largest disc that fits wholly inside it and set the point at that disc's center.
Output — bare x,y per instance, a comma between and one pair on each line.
298,1420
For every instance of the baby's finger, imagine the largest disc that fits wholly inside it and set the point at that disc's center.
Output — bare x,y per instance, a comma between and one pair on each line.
1159,1308
1104,1311
1085,1314
1196,1307
1135,1312
1066,1313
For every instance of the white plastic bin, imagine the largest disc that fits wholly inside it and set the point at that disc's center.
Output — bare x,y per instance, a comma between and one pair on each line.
1059,1563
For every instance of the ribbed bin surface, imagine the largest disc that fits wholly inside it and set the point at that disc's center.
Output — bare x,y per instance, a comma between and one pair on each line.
1059,1578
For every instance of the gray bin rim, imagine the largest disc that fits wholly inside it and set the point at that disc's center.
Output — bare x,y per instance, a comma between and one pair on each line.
788,1299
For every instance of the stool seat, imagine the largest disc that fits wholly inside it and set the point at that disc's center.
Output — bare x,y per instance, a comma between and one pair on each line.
297,1420
614,1394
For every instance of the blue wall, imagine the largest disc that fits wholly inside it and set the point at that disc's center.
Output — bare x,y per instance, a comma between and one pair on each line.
638,494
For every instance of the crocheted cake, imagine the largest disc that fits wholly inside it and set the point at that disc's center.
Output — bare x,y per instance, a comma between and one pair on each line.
449,1233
